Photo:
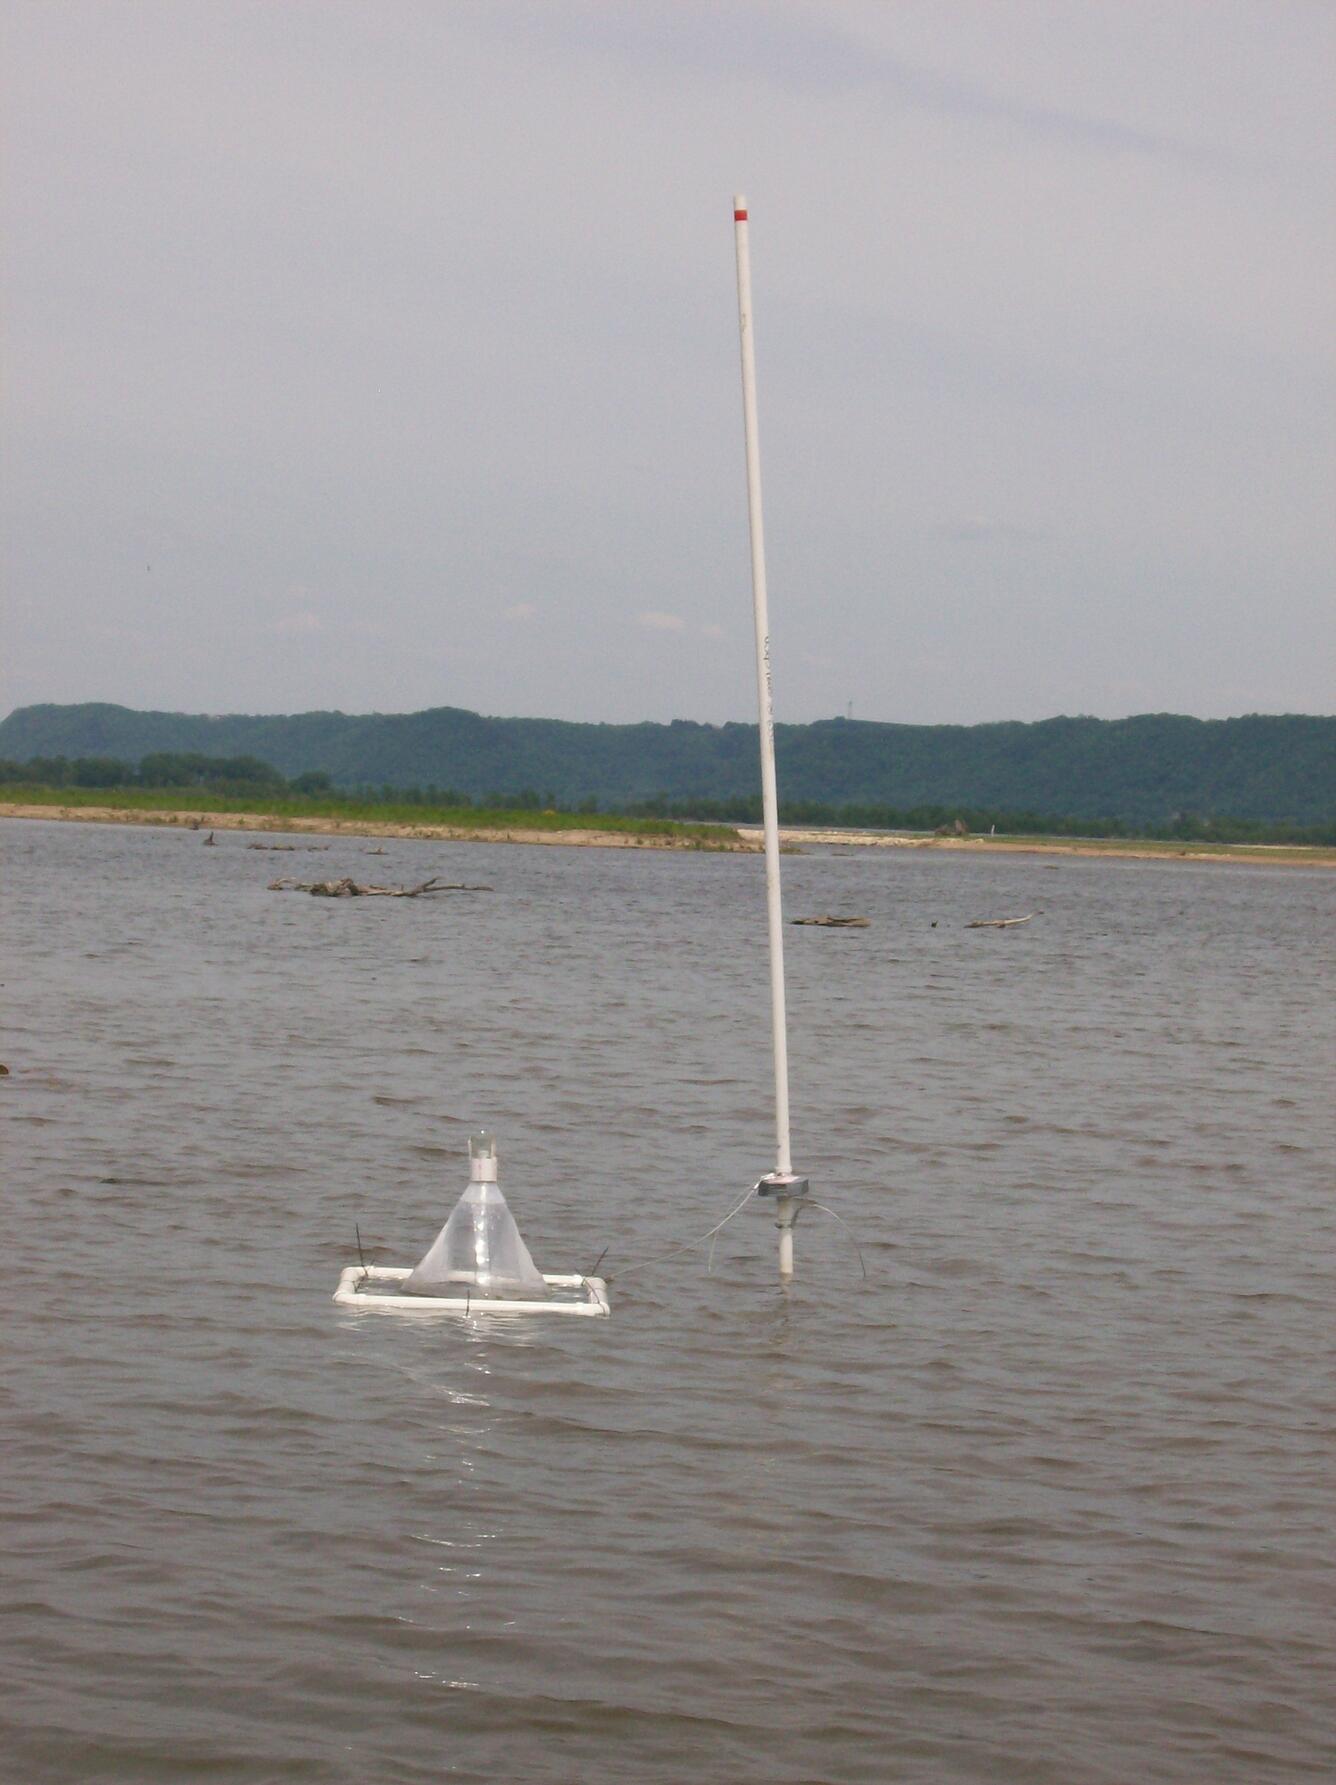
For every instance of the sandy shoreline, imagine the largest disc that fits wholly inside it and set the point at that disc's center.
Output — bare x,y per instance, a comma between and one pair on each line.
1092,848
200,820
748,837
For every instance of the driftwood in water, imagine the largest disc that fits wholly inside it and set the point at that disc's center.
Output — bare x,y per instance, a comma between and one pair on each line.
353,889
835,923
999,923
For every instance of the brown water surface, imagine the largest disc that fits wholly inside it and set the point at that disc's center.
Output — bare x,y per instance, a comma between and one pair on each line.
1049,1499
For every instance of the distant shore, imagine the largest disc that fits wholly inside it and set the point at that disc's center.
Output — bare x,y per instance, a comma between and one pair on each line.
746,841
322,825
1292,855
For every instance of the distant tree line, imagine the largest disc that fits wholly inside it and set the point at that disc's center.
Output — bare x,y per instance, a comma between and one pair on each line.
184,769
238,776
250,777
1148,772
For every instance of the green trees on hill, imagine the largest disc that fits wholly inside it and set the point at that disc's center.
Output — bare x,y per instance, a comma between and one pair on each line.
239,779
1155,770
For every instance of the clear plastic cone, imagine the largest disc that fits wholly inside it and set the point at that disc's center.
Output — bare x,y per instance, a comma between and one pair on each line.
479,1248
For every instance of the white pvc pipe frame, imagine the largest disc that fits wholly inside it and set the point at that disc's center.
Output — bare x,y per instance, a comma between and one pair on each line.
349,1295
786,1209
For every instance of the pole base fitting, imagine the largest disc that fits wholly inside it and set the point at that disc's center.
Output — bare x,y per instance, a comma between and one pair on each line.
790,1194
783,1183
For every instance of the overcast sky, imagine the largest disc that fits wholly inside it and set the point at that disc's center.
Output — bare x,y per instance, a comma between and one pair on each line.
384,355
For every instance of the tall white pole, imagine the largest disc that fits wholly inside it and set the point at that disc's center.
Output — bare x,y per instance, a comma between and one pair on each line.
765,705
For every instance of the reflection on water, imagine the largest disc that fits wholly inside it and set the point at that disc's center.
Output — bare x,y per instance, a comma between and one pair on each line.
1047,1499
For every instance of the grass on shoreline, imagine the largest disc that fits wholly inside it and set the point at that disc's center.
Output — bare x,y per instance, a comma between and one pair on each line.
1161,848
1176,848
354,811
406,817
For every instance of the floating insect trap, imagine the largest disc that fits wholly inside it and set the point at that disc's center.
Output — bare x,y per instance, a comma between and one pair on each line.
477,1264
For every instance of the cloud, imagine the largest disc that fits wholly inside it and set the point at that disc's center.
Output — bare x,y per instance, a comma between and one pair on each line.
299,625
979,527
802,56
1066,331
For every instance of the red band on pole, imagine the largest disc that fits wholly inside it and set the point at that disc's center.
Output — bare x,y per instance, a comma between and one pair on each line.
739,216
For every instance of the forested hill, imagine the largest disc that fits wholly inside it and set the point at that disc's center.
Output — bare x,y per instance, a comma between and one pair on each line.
1148,769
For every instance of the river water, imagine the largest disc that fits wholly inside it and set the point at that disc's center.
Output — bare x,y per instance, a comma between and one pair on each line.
1049,1497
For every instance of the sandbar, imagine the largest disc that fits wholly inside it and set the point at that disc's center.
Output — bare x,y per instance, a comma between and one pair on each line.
747,839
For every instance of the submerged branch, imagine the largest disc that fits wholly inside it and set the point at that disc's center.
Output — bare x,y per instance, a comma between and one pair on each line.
354,889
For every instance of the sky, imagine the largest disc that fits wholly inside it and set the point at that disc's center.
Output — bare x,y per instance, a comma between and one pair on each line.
384,356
